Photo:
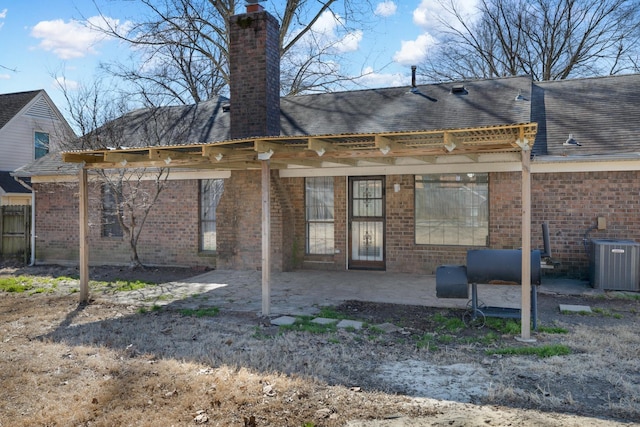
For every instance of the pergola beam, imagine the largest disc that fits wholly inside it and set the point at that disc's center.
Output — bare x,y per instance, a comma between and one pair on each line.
386,145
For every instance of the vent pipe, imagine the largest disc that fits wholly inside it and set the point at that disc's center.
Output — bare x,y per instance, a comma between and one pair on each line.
414,87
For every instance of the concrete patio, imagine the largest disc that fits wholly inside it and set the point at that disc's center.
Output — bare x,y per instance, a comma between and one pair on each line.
304,292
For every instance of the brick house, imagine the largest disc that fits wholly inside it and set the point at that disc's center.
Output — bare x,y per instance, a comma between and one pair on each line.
341,197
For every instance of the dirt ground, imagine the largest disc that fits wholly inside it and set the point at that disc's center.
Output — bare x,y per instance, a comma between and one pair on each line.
105,364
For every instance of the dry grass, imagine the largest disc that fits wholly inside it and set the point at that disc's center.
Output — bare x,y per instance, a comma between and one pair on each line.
105,365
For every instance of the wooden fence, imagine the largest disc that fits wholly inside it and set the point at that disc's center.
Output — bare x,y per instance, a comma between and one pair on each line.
15,232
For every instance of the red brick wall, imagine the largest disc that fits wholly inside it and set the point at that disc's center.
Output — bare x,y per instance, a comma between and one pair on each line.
505,210
239,228
169,237
569,202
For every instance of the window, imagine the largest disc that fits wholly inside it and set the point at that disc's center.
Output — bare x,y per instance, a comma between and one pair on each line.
41,144
110,212
319,215
452,209
210,194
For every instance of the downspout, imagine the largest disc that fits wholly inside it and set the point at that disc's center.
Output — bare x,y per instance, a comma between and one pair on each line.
33,229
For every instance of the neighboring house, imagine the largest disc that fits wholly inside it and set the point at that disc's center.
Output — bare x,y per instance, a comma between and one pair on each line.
401,213
30,127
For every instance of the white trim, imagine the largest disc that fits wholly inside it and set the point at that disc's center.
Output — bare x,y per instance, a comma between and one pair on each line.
568,165
173,176
403,170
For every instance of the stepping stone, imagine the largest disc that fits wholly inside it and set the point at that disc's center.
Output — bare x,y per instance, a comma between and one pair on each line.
283,321
388,328
574,308
350,324
323,321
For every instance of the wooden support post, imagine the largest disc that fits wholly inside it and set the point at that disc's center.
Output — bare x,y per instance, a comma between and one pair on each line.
266,238
83,222
525,308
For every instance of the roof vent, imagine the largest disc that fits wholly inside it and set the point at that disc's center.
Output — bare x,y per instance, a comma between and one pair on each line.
414,87
226,108
572,142
459,89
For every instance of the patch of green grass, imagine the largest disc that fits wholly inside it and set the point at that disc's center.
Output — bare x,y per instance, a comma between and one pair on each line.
63,279
305,324
504,326
581,313
427,341
542,351
605,312
154,308
552,330
446,339
16,284
489,338
330,313
374,330
128,285
200,312
629,296
450,324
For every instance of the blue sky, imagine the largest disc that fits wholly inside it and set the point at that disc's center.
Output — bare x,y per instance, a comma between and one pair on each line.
41,39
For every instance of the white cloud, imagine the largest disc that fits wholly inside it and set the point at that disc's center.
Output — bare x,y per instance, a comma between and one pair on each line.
414,51
349,43
430,13
5,77
72,39
432,16
328,31
371,79
386,8
3,15
61,82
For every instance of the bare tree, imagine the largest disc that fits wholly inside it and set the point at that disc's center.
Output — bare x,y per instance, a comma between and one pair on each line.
182,47
105,123
547,39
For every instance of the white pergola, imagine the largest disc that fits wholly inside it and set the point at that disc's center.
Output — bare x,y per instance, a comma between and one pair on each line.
324,153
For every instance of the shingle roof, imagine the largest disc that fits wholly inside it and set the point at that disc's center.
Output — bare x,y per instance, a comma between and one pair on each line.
173,125
12,103
483,103
602,114
10,185
51,164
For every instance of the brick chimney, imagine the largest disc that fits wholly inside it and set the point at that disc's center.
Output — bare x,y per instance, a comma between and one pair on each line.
254,68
